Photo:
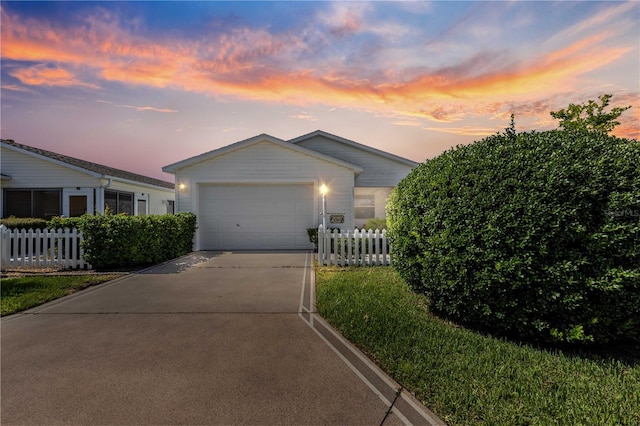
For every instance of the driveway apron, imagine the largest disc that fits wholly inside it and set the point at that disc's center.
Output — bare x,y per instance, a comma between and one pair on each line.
210,338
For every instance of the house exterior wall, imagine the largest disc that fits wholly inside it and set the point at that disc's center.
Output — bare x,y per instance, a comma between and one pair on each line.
378,170
266,162
29,172
156,198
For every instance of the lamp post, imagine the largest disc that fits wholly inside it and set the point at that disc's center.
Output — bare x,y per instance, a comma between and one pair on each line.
323,190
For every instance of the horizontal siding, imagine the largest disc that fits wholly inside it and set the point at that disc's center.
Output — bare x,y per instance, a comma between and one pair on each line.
269,163
378,171
29,172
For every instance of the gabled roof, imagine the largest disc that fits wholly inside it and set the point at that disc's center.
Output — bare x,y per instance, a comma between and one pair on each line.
94,169
355,145
171,168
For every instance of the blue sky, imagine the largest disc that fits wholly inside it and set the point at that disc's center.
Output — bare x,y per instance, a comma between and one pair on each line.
139,85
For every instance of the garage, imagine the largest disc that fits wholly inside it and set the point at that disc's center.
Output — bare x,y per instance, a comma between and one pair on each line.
236,216
262,193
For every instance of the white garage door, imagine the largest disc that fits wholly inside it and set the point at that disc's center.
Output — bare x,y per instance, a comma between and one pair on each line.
246,217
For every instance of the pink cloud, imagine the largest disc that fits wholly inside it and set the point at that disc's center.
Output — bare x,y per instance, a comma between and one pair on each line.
16,88
303,115
139,108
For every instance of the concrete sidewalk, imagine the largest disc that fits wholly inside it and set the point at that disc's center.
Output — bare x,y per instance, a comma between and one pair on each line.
212,338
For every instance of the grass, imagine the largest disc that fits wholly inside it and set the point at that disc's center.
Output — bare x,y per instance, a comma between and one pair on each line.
22,293
467,378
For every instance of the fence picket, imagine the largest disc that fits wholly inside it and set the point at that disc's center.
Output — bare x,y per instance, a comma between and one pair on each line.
349,249
342,256
67,248
23,247
4,245
384,248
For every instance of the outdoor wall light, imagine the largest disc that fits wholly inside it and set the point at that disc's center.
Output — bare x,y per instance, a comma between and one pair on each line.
323,190
182,186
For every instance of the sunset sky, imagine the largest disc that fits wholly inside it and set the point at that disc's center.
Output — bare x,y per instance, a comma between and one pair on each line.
139,85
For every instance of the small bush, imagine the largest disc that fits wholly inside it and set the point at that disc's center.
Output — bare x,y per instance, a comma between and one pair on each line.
117,241
531,234
13,222
313,236
377,223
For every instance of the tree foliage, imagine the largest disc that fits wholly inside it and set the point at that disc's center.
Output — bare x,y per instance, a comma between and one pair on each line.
590,115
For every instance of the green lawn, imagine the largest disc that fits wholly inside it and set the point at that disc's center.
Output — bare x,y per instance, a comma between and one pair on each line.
23,293
467,378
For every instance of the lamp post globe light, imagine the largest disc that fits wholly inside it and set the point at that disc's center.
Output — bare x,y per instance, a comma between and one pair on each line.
323,190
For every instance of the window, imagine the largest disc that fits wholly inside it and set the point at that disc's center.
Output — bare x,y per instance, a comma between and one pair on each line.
365,206
42,203
170,207
118,202
111,201
17,203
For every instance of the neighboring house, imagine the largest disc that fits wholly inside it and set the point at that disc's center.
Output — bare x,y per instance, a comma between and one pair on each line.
263,192
40,183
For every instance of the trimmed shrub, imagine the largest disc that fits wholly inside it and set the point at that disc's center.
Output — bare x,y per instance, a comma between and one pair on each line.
13,222
535,235
118,241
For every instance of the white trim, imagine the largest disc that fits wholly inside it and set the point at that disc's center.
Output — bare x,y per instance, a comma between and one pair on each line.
67,192
139,196
138,183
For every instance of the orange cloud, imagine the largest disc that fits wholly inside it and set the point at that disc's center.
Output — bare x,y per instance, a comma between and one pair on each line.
40,75
409,123
258,65
464,130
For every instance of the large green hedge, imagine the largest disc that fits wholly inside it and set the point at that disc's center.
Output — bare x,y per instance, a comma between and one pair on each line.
118,241
535,235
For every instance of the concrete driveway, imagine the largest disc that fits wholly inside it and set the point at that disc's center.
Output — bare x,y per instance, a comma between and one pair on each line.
211,338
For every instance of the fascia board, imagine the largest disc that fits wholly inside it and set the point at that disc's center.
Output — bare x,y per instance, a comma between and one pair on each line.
136,183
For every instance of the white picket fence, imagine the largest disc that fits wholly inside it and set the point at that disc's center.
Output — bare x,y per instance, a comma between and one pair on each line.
41,249
353,248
